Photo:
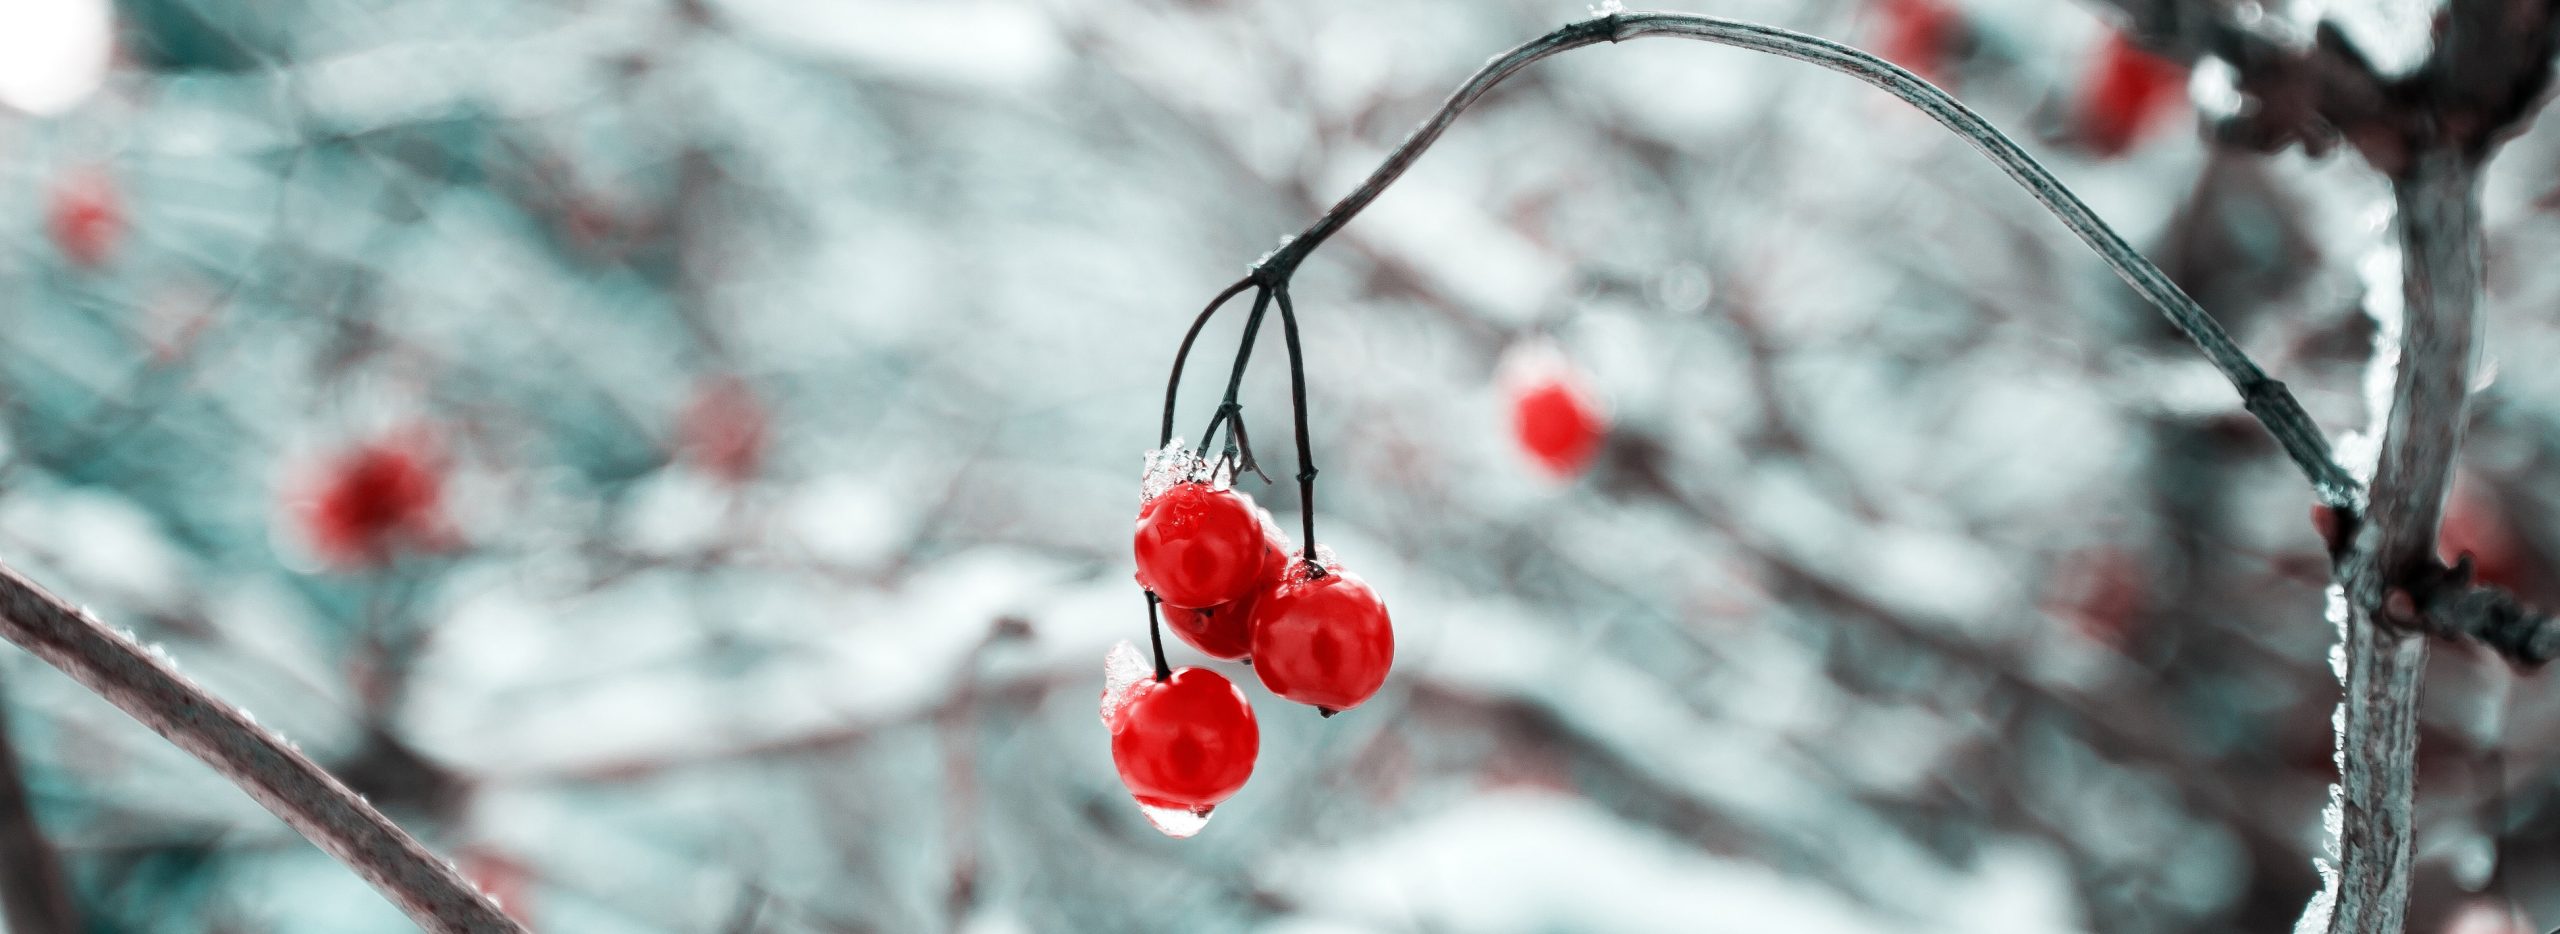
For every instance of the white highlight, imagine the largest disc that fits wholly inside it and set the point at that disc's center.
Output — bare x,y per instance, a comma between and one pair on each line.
53,53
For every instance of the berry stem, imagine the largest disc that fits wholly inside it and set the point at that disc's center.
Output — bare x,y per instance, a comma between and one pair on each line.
1155,638
1227,407
1173,383
1298,409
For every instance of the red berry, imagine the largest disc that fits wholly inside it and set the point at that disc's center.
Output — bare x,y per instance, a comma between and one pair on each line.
1224,632
86,218
1220,632
2127,92
1557,422
373,500
724,429
1185,743
1322,640
1199,547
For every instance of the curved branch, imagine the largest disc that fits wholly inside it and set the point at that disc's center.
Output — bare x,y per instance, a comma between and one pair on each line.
2264,397
289,784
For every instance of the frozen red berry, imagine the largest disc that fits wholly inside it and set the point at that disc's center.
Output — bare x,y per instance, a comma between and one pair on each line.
1198,546
1224,632
373,501
85,217
724,429
1185,743
2127,92
1322,638
1220,632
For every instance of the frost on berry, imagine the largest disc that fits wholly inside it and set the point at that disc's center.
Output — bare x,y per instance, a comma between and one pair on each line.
1178,823
1173,465
1123,670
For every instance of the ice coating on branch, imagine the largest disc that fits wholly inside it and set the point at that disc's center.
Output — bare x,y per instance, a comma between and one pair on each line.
1285,240
1174,464
1607,8
1122,671
1178,823
2315,916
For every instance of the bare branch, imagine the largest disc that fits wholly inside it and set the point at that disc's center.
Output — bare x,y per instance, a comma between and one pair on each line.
2267,399
2385,656
289,784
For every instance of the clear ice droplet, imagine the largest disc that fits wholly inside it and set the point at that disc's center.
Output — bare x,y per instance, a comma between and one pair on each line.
1178,823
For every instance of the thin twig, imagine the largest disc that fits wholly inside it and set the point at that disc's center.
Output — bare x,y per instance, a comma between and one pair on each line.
2495,618
2264,397
35,897
289,784
1181,355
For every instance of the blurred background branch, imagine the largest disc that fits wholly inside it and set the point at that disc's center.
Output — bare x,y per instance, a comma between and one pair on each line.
35,897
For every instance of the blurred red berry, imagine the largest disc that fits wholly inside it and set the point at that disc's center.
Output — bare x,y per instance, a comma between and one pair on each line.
1199,547
1323,641
85,216
1921,35
1553,414
372,502
2127,92
1184,743
2102,591
2474,524
724,429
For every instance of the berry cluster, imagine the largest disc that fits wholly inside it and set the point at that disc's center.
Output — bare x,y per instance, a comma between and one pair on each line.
1220,571
1228,584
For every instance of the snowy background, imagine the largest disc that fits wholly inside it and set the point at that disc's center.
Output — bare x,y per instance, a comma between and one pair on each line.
784,370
